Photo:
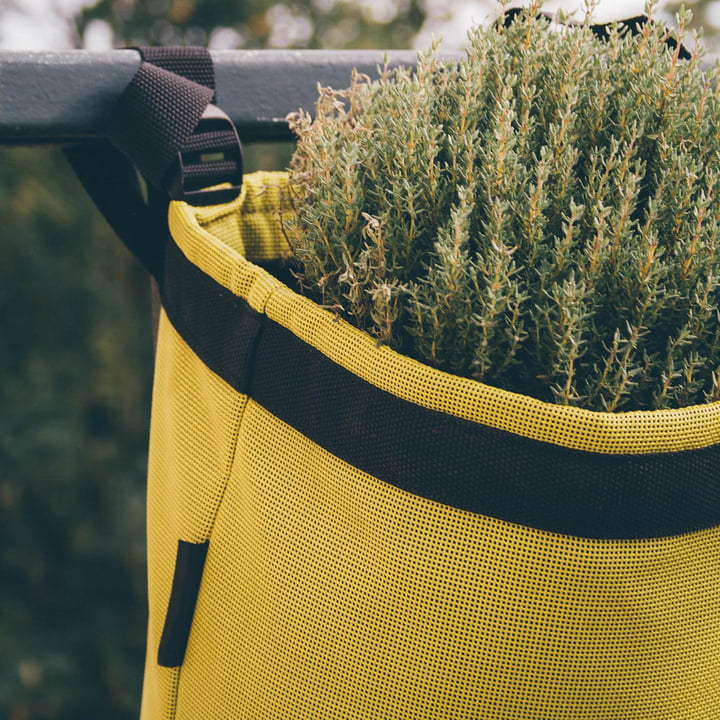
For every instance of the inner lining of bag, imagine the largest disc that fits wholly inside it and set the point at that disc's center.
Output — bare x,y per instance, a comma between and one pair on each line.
436,455
249,224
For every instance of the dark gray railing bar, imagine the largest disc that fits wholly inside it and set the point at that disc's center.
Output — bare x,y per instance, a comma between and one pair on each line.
65,96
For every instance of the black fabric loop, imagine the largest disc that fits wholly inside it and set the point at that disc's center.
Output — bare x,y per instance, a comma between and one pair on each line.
154,120
633,25
200,142
189,566
157,113
192,63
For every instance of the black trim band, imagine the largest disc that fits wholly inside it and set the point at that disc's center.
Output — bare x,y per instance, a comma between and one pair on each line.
438,456
189,566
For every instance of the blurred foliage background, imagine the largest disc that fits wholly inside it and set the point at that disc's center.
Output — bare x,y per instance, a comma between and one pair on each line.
76,357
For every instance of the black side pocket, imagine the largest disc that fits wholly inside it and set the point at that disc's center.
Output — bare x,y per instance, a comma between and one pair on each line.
189,566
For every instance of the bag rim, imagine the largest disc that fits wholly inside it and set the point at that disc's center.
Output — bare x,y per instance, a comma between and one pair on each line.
629,432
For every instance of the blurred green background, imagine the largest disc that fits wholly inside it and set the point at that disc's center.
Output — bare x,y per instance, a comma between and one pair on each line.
76,350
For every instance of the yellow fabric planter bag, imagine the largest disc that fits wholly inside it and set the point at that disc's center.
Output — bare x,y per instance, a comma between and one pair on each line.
337,531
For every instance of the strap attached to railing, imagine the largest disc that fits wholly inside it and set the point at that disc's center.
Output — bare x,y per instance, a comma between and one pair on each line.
185,147
167,125
633,25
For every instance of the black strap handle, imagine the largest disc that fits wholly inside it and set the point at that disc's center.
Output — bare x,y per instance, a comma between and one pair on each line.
632,25
192,63
157,113
165,125
137,214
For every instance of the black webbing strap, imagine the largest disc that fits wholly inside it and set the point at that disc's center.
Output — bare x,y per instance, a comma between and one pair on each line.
165,125
158,112
111,181
632,25
192,63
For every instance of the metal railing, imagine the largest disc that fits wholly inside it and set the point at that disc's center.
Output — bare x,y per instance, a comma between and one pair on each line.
66,96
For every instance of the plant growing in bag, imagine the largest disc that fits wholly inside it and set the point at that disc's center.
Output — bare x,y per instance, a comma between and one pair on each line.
542,216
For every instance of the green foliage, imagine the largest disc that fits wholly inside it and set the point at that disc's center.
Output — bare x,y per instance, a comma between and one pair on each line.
259,23
541,216
75,364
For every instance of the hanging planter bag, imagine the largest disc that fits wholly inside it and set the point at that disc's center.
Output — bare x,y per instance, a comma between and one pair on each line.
338,531
362,536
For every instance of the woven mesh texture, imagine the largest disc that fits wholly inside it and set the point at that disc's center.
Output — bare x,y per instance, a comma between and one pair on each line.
328,593
248,225
216,140
195,422
193,63
157,111
439,456
209,171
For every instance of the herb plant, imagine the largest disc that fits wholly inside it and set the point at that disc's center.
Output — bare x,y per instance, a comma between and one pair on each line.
541,216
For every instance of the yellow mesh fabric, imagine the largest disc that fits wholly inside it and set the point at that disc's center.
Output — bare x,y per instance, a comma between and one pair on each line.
195,422
346,598
330,594
249,224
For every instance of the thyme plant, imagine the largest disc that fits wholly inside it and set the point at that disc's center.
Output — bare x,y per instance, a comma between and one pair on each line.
541,216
